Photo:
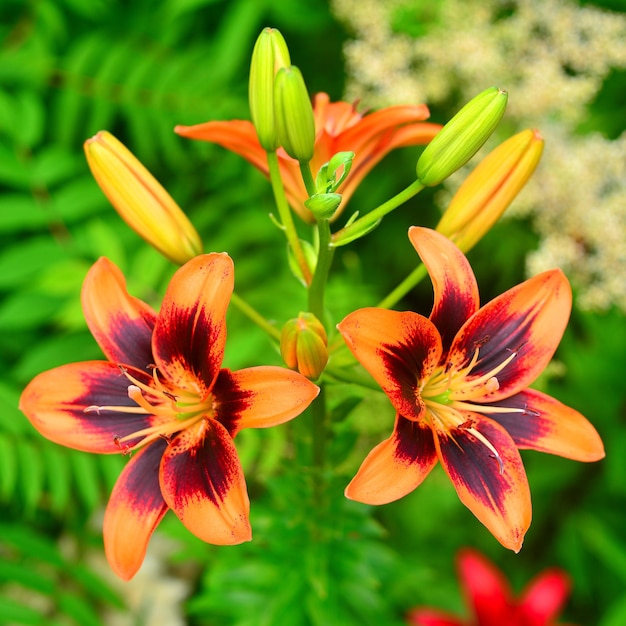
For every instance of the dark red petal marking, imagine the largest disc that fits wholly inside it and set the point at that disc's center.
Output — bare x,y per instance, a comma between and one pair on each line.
528,320
547,425
55,403
259,397
400,350
190,333
396,466
203,483
121,324
501,501
134,511
455,290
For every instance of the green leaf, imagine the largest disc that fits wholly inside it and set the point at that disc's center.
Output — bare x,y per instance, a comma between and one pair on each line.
85,468
31,544
8,467
21,212
20,262
78,608
58,476
29,131
31,474
30,577
13,612
54,351
26,309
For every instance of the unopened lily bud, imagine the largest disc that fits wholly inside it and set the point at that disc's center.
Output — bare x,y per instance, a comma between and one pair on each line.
323,205
333,173
490,188
269,55
459,140
294,119
140,199
304,345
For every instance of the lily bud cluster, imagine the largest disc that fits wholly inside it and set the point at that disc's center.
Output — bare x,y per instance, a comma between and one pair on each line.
280,106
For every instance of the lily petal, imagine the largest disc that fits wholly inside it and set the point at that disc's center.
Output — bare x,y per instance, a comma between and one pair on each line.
259,397
500,501
135,509
527,321
190,332
454,284
432,617
203,483
121,324
238,136
55,402
487,590
396,466
374,126
398,349
547,425
544,598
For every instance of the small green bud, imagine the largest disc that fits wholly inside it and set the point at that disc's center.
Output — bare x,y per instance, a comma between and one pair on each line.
323,205
326,180
304,345
270,54
459,140
293,114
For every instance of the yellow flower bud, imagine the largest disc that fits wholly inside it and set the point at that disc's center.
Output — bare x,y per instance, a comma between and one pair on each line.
304,345
490,188
294,119
459,140
269,55
140,199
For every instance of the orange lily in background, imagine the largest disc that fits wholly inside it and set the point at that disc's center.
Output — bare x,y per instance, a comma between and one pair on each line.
458,381
163,396
491,600
339,128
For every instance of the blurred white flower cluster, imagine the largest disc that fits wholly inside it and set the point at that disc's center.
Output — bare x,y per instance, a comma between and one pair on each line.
552,56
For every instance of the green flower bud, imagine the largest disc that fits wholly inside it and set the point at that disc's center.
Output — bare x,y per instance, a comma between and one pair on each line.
293,114
270,53
459,140
304,345
323,205
326,180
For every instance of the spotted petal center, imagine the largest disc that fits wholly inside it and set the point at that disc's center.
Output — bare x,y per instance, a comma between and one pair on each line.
175,409
451,394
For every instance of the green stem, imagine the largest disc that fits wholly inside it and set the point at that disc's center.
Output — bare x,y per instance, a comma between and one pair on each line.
369,221
322,268
403,288
307,177
352,377
286,216
255,316
318,436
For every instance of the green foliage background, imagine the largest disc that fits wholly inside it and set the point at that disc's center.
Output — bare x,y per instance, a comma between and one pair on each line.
69,68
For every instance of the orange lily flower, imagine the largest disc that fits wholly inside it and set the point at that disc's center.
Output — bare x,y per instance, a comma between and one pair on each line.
339,127
458,381
162,394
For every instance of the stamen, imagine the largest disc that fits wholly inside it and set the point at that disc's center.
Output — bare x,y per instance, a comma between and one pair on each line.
489,446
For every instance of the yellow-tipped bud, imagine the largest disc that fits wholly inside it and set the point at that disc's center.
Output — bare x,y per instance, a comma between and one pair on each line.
490,188
459,140
140,199
304,345
269,55
294,119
